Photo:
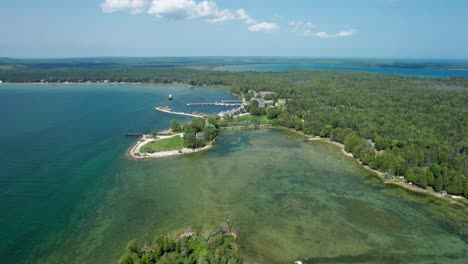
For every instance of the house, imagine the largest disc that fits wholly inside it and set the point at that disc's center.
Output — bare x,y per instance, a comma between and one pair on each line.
200,135
371,142
232,112
263,93
263,102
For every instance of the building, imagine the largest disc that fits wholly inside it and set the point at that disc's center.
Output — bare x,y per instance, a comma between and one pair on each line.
263,93
262,102
232,112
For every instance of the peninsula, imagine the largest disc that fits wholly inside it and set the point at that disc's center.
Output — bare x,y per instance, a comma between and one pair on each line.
265,109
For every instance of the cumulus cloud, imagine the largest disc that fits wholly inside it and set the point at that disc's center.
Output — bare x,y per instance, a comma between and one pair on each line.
346,33
132,6
187,9
301,28
190,9
242,16
322,35
264,27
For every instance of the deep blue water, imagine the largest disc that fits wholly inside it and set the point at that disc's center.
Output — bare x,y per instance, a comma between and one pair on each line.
61,142
419,72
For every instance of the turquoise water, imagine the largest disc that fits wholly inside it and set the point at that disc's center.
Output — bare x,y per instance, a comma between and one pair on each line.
419,72
69,194
61,142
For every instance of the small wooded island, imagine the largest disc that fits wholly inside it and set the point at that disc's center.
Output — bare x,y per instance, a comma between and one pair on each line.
213,244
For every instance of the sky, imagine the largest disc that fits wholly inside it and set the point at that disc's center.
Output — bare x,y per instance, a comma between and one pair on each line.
303,28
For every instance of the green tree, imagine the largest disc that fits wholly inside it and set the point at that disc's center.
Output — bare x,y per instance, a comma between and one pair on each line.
198,123
176,126
132,247
210,132
456,185
465,188
273,112
190,139
154,133
214,120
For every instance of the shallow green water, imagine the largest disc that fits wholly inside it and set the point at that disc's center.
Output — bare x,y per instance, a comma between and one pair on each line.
289,198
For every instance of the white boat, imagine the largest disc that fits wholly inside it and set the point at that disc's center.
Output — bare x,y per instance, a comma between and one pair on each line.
170,97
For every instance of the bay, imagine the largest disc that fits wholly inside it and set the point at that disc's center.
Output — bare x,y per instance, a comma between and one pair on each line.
69,194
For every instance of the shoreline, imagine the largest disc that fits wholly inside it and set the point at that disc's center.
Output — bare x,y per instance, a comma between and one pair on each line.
121,83
132,153
452,199
135,153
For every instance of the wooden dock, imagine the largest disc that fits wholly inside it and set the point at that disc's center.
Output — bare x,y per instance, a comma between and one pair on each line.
222,103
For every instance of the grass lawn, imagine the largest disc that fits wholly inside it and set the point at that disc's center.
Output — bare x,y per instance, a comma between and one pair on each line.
256,119
173,143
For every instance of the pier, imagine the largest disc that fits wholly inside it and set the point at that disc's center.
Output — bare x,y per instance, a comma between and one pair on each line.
133,135
222,103
215,104
170,111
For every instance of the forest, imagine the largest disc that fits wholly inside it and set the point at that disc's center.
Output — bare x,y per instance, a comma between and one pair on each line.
208,245
412,127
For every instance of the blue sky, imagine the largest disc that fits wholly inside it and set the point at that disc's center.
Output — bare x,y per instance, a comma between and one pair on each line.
331,28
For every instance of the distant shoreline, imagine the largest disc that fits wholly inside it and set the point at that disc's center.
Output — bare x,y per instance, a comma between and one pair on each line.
104,83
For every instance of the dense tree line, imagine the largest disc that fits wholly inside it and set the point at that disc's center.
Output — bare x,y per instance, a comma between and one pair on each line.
208,129
405,126
210,245
392,124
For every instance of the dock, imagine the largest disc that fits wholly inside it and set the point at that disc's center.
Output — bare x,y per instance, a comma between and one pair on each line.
170,111
133,135
222,103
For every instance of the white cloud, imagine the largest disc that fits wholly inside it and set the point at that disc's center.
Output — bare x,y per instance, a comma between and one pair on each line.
346,33
301,28
242,16
264,27
132,6
305,29
322,35
191,9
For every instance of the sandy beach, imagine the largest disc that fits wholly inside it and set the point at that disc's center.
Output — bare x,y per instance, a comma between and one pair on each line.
402,184
135,151
381,175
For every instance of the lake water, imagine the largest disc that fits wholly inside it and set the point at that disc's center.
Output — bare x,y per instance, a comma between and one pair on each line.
69,194
418,72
